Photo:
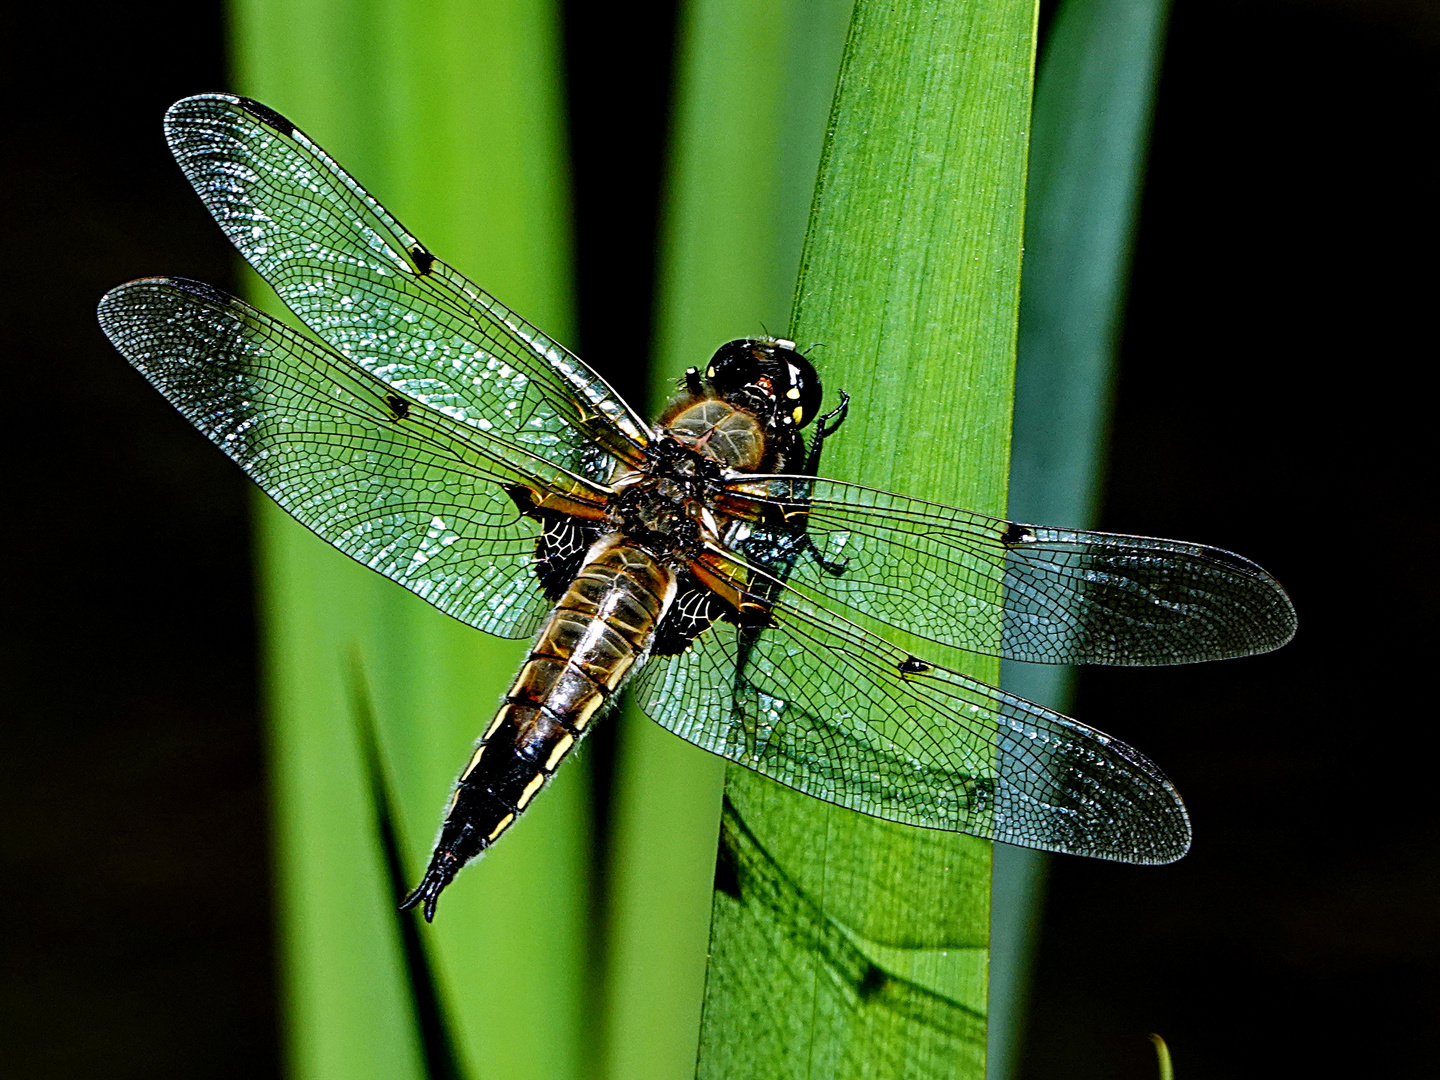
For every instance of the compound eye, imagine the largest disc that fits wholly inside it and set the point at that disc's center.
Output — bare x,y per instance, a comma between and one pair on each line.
801,399
734,365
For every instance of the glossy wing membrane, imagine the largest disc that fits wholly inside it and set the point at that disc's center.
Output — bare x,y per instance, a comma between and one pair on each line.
356,277
1022,592
400,436
823,706
402,488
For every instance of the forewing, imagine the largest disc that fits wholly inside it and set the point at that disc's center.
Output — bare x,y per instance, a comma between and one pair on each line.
825,707
355,276
1024,592
400,487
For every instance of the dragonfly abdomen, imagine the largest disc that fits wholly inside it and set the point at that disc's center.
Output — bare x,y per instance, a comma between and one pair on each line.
598,631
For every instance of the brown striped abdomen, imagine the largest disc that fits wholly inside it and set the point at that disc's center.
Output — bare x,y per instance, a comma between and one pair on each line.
587,646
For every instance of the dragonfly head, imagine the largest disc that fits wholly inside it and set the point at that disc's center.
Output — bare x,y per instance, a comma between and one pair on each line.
768,377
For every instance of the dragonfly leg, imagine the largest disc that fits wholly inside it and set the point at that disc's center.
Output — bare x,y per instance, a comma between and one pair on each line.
825,426
833,567
746,719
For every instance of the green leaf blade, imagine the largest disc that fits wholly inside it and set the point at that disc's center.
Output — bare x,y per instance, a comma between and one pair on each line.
452,118
910,282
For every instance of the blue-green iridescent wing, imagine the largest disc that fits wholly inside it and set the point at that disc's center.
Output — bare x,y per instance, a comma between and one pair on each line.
356,277
399,485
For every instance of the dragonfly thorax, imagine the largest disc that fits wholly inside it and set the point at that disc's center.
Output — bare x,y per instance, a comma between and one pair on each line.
730,436
664,506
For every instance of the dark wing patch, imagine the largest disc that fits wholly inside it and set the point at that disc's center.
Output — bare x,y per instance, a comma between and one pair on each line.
560,552
694,611
564,540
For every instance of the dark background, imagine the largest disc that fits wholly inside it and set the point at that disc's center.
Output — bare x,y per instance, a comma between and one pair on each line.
1270,400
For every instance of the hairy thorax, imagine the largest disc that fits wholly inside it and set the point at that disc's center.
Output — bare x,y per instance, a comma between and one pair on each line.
731,437
668,506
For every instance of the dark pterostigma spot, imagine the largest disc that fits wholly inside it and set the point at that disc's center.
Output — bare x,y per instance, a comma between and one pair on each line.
398,405
1234,562
1016,534
423,259
913,665
266,115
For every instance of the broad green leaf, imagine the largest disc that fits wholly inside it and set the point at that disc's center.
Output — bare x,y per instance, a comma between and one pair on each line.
843,946
1093,100
450,114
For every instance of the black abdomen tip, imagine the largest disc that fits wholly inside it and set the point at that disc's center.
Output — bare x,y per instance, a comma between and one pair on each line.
443,867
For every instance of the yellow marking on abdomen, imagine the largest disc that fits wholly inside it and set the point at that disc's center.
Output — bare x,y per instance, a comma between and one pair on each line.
560,749
536,783
504,824
581,716
475,760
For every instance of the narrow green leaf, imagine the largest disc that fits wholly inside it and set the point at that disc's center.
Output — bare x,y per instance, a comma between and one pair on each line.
843,946
1162,1057
451,115
437,1041
1093,100
754,85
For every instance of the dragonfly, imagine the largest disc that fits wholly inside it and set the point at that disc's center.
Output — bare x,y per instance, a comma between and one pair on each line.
752,607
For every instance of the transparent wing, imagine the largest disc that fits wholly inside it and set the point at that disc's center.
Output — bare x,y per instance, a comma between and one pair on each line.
823,706
777,943
1023,592
400,487
355,276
